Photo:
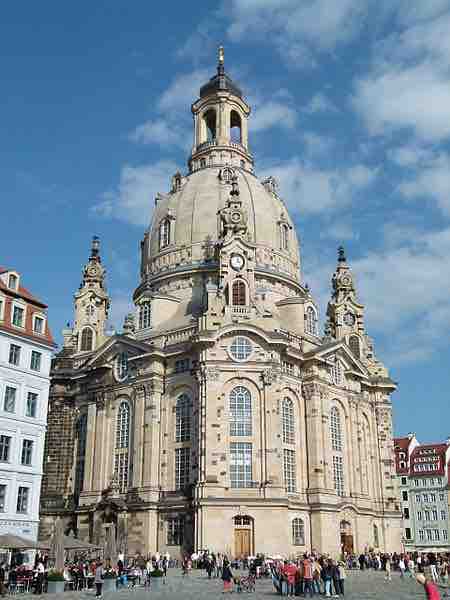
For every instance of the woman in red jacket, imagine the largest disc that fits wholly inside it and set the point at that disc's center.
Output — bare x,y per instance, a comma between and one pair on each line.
431,591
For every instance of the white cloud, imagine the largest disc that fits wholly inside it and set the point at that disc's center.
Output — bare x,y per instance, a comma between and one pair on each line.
272,114
307,189
133,200
431,181
320,103
183,90
317,145
157,132
299,29
340,230
409,156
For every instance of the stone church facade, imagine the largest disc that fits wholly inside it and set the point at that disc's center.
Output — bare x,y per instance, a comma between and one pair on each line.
221,418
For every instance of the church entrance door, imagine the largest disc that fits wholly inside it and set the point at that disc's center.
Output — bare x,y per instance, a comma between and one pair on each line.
242,543
346,537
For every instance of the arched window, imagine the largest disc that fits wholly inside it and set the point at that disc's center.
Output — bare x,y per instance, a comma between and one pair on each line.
183,419
240,412
87,339
298,532
144,315
239,294
284,236
122,366
209,119
121,452
337,372
354,345
288,421
164,233
235,127
335,429
376,539
311,321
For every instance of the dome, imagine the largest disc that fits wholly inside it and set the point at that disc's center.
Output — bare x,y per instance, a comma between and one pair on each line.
191,215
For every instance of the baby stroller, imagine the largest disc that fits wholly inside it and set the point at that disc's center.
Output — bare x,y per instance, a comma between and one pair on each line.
246,584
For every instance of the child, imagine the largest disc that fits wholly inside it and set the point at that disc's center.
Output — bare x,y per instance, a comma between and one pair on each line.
431,591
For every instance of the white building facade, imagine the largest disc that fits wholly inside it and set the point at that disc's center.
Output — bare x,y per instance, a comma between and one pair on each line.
26,347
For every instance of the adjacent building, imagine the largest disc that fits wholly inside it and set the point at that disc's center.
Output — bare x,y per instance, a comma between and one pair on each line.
221,417
26,346
423,478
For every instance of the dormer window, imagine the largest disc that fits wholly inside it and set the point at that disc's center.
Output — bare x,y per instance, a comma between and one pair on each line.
164,233
284,231
145,313
122,366
311,321
13,281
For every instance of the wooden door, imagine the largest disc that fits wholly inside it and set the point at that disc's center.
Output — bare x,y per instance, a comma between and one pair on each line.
242,543
347,543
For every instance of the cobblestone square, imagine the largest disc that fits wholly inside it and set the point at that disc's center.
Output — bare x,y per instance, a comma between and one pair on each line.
359,586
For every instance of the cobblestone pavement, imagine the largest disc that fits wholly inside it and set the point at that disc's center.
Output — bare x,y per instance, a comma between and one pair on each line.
359,586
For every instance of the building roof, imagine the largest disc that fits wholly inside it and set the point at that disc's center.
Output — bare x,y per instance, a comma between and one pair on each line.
22,292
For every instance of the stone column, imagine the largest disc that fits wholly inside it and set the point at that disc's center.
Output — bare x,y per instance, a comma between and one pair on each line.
313,405
151,454
138,435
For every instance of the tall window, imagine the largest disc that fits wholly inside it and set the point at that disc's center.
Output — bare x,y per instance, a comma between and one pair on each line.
288,421
22,499
335,429
144,315
38,325
12,282
36,359
87,339
10,399
298,532
175,531
240,464
2,497
18,314
182,467
240,412
122,366
27,452
14,354
121,455
338,475
183,419
164,233
337,372
289,470
354,345
311,321
284,232
5,446
81,453
239,294
31,408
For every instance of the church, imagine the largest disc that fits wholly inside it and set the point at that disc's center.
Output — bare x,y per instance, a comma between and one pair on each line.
221,417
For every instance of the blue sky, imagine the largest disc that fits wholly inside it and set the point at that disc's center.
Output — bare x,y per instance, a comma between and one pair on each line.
351,112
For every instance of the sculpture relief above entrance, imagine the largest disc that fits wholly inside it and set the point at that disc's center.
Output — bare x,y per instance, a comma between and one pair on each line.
243,536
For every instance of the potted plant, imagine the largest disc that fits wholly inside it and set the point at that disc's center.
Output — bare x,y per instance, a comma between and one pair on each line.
156,576
55,582
109,580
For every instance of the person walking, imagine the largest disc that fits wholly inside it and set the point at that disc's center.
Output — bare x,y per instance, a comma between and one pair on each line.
227,577
98,580
327,574
402,566
431,590
387,566
342,577
307,577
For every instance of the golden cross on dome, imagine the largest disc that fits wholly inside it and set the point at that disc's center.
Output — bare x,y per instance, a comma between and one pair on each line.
221,55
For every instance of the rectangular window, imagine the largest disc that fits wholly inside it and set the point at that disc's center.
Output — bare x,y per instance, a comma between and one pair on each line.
288,368
437,535
14,355
2,497
38,325
419,515
289,470
441,496
432,482
425,497
406,513
5,446
421,535
12,282
435,515
9,404
443,515
27,452
182,467
429,534
424,482
433,497
18,316
417,497
427,515
416,482
31,408
241,464
36,357
408,533
175,531
22,499
240,413
444,534
405,495
404,481
182,365
338,475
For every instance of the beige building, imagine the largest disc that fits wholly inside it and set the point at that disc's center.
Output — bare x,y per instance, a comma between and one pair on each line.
221,418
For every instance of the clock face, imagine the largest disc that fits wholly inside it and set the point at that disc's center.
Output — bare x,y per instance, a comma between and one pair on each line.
349,318
237,262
